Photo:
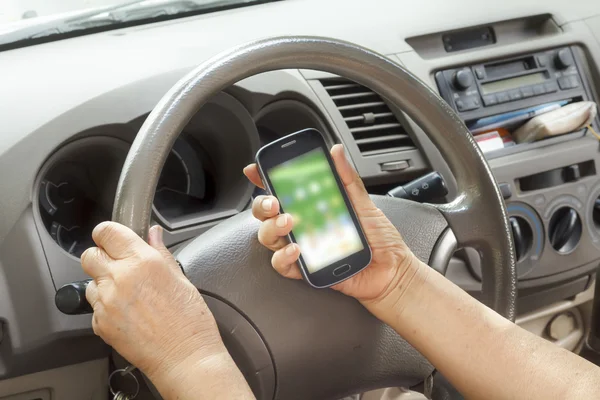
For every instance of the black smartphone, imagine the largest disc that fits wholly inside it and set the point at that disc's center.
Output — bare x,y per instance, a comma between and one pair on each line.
299,171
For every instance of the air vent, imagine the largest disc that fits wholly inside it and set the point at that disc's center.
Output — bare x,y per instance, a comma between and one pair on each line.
374,127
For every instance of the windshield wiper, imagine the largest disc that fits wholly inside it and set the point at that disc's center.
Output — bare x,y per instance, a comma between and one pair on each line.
127,14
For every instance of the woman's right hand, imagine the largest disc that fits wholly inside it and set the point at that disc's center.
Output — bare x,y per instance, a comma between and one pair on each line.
393,266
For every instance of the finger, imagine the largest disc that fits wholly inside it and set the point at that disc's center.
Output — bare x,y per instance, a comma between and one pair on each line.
284,261
95,262
155,239
350,178
91,293
251,172
117,240
272,233
264,207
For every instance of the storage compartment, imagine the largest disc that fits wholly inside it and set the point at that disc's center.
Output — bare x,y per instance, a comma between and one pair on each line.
496,97
494,133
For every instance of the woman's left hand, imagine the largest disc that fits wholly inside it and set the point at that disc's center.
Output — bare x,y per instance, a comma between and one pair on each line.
144,307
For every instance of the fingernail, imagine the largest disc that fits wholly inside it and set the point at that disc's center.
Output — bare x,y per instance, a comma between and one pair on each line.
291,249
157,233
267,204
281,221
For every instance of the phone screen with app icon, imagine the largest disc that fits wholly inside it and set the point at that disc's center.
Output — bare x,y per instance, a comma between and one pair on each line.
323,227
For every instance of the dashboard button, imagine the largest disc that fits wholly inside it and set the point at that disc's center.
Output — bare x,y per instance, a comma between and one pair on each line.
564,82
479,71
490,100
538,89
550,87
527,92
468,103
542,60
502,97
505,190
515,95
574,81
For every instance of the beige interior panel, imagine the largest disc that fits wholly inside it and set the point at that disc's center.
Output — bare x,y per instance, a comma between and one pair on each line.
86,381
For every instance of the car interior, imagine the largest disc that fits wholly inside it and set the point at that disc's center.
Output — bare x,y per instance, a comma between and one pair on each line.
474,127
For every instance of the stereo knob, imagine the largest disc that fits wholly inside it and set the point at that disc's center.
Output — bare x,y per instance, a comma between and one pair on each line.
463,79
563,59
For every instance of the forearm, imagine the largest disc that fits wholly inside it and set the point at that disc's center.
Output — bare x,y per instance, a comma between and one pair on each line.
203,377
482,354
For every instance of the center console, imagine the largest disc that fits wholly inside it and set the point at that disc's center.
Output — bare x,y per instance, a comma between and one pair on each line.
551,187
515,83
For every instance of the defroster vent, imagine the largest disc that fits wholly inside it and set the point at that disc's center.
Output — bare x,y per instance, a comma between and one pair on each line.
374,127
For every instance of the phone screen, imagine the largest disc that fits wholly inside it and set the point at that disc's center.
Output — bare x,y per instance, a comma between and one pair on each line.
308,191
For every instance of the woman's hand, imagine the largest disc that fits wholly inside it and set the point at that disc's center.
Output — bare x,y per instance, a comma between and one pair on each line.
393,265
144,307
149,312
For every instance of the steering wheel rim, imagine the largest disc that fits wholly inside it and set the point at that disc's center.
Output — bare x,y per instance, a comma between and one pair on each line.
477,192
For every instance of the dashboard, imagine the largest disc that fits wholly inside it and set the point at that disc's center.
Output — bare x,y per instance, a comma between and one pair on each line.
67,128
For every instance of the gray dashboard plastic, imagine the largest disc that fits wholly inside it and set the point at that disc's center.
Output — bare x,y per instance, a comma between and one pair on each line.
111,78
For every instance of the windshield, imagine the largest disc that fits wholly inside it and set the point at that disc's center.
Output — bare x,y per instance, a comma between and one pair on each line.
26,22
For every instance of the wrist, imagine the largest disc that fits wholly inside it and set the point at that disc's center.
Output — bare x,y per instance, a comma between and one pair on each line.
403,290
194,343
199,376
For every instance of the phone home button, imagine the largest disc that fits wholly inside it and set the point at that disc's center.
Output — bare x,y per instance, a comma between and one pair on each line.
341,270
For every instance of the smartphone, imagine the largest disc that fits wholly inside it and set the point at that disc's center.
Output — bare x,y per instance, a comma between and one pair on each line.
299,171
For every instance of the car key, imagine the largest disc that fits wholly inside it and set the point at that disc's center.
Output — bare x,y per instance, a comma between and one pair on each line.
119,395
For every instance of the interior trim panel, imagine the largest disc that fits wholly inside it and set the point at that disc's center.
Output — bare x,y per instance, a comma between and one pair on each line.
82,110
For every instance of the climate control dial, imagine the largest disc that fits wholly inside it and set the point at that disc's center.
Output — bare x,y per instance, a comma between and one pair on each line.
528,236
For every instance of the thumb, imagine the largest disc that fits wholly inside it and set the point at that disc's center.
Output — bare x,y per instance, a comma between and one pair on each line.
155,239
351,180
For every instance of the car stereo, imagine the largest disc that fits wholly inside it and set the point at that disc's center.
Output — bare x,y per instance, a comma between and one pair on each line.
480,90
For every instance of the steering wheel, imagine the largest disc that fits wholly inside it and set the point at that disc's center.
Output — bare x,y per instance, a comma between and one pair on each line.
289,340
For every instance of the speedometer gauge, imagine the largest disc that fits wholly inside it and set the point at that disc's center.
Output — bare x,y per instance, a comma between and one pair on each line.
182,172
184,186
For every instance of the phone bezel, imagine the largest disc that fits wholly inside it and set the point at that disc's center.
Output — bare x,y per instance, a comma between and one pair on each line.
294,145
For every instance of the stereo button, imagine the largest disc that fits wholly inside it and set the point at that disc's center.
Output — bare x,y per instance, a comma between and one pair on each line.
515,95
527,92
574,81
550,87
479,72
542,60
568,82
502,97
538,89
490,100
564,83
468,103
